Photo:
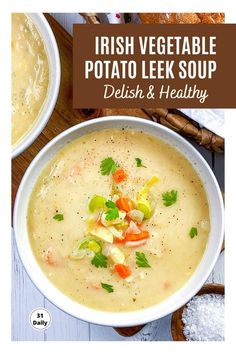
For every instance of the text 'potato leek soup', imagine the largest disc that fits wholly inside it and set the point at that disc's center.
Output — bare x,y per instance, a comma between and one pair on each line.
30,75
118,220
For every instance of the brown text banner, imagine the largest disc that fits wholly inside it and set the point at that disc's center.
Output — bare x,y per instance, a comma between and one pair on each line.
145,66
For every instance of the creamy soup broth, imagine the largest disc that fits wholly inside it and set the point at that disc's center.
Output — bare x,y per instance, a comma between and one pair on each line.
30,75
73,177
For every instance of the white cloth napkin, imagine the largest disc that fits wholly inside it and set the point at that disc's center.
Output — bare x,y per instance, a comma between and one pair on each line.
212,119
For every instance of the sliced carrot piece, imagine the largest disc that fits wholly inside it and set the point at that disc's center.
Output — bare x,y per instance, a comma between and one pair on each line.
167,285
119,175
122,270
128,218
135,237
50,256
119,241
99,222
124,204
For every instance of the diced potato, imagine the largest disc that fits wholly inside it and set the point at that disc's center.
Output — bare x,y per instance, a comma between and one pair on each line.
129,279
133,228
106,249
116,255
118,220
136,215
116,233
102,233
142,275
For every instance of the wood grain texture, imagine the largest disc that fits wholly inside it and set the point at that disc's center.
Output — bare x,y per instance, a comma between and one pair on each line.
25,297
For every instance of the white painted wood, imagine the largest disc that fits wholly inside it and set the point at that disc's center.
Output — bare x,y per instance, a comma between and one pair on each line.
64,326
218,274
67,20
25,297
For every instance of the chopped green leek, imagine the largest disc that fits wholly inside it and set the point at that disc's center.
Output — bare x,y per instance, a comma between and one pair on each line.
148,185
97,202
122,225
92,245
144,206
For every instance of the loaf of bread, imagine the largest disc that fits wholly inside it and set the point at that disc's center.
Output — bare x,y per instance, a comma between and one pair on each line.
182,18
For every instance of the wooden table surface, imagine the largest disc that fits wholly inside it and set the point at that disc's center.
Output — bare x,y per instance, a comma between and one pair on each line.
25,296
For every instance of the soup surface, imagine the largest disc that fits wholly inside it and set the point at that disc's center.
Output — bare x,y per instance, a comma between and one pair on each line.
30,75
118,220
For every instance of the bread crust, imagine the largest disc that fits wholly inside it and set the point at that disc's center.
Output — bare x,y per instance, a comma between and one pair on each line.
182,18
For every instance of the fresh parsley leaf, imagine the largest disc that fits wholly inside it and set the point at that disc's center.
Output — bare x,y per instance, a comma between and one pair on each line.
141,260
169,198
114,168
58,217
193,232
110,204
99,260
107,287
113,212
108,166
139,162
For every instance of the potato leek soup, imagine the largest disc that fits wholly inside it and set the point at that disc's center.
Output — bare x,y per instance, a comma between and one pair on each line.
118,220
30,75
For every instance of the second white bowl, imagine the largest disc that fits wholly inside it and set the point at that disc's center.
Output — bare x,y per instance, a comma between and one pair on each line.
50,43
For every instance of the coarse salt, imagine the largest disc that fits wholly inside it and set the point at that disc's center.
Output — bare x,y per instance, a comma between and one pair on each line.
203,318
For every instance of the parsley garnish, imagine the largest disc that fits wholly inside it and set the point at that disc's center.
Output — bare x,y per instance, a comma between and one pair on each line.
193,232
99,260
139,162
169,198
107,287
110,204
58,217
108,166
113,212
141,260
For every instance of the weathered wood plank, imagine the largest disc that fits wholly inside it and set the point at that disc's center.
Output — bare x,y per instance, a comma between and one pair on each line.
25,298
64,326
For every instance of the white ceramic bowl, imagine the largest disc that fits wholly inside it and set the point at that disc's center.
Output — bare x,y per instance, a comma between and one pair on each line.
54,83
122,318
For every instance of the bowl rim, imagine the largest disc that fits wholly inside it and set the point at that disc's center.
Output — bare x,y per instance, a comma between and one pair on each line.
53,88
121,319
